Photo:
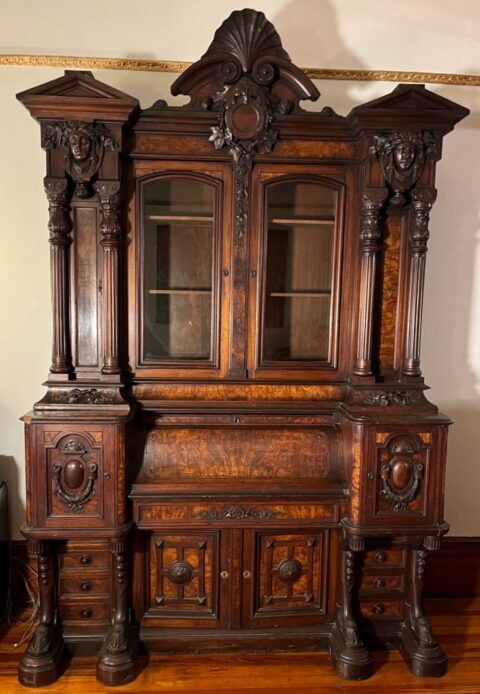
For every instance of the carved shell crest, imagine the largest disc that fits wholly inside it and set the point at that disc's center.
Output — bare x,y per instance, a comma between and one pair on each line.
247,35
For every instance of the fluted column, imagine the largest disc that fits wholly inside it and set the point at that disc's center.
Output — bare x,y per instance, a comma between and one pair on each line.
422,201
59,225
110,229
370,245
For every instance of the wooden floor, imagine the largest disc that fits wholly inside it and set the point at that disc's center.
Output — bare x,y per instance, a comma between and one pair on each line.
456,622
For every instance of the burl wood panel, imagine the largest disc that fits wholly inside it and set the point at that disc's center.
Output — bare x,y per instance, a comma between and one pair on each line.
221,453
234,512
85,308
390,291
184,577
236,392
290,577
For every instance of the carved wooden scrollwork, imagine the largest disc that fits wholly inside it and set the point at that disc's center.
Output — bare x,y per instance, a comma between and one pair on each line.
402,474
246,77
86,396
238,513
74,477
402,156
84,146
74,470
386,398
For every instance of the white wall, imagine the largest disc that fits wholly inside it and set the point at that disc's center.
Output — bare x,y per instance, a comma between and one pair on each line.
431,36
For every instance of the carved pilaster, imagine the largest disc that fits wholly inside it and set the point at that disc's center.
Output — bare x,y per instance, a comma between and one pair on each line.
84,146
59,225
422,201
111,240
370,245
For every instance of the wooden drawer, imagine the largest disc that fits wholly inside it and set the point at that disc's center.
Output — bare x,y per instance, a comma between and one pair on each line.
86,612
91,556
381,582
87,585
155,515
381,609
393,557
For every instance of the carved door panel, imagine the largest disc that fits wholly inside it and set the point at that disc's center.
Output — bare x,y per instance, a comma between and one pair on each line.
185,580
405,469
286,577
78,468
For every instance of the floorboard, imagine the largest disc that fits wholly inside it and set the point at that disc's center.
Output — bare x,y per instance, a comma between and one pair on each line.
456,622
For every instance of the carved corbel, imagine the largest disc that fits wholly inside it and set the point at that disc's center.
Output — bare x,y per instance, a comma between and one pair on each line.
84,146
402,157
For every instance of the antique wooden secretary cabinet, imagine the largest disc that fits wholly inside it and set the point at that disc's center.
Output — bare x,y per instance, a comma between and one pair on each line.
235,449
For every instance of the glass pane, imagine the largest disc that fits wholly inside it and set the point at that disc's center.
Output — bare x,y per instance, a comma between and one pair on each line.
178,269
301,222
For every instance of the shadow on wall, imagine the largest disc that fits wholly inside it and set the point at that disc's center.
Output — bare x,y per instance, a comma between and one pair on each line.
315,29
9,474
463,470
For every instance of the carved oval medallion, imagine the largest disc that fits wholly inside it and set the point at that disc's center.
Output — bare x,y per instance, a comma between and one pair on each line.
180,572
290,570
400,474
74,474
246,121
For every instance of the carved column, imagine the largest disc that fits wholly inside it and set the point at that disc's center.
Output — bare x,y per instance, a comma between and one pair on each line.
110,229
39,664
370,245
422,201
115,664
59,225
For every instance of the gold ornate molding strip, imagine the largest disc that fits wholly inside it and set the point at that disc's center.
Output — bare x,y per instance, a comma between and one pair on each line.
84,63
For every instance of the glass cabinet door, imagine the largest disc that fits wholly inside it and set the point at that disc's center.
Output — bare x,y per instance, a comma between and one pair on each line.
180,269
296,294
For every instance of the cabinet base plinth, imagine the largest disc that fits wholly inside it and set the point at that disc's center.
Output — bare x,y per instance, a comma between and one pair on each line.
41,663
116,665
352,661
423,659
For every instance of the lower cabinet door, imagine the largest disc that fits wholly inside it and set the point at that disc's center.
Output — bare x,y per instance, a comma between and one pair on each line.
286,577
184,579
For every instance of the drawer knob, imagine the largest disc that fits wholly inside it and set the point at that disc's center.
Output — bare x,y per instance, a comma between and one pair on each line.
246,574
85,559
378,608
380,557
379,583
87,613
85,586
224,574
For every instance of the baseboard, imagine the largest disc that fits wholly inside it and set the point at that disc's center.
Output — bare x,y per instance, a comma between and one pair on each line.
452,572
